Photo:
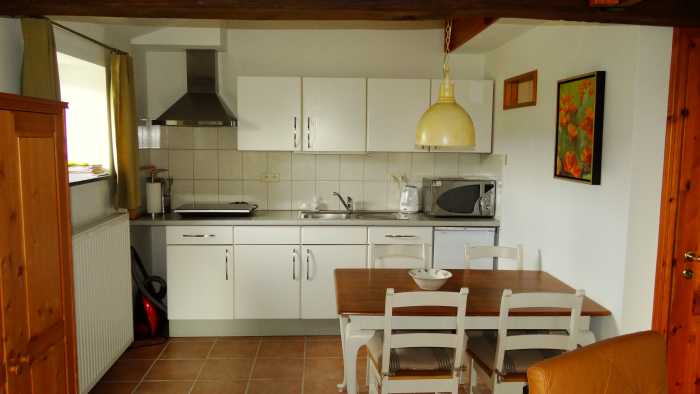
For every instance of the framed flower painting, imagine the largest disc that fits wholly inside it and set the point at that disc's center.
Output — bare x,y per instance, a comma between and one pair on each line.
579,136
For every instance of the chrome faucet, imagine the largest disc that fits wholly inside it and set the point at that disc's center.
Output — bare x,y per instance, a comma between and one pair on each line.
348,205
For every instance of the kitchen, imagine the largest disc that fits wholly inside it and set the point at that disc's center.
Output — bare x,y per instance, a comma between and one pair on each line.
321,112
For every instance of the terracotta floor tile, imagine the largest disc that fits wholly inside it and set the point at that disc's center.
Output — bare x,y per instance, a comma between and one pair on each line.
285,368
164,388
321,386
224,348
274,387
227,369
187,350
127,370
278,338
113,388
312,338
175,370
146,350
281,349
323,368
240,338
219,387
327,348
191,339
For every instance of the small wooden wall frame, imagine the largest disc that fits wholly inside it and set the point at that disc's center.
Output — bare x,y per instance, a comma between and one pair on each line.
520,91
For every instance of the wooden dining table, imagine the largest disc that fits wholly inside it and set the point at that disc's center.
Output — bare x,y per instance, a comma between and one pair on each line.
361,292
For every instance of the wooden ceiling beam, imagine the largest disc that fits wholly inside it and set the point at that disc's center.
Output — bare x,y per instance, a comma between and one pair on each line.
464,29
648,12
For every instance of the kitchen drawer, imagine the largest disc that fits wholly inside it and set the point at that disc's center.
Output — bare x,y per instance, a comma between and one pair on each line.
199,235
267,235
334,235
400,235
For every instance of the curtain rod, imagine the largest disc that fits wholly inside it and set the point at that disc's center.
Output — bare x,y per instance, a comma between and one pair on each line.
94,41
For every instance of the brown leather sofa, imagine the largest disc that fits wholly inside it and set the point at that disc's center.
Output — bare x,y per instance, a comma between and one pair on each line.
629,364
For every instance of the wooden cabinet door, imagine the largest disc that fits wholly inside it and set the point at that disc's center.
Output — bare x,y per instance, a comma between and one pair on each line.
200,282
335,112
269,113
394,107
318,282
267,281
477,99
36,278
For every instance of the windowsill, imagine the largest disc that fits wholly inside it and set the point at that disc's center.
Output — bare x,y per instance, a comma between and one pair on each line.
76,179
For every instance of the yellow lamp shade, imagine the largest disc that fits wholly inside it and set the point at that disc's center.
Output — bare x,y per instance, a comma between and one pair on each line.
446,123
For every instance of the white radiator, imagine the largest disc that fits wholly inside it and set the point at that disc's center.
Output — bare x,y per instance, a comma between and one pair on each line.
103,303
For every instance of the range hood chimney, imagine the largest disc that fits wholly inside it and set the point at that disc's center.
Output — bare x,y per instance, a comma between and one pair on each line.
201,106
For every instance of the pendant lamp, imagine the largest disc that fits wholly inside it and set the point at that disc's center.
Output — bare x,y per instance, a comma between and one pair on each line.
446,123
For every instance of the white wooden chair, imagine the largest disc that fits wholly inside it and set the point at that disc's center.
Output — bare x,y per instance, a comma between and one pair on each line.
410,362
472,253
506,357
408,255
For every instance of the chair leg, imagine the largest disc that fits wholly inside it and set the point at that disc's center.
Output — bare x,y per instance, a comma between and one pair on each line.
473,379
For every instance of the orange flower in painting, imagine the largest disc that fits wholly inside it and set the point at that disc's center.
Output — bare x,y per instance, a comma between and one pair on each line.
587,123
564,118
571,164
587,156
558,165
572,130
586,86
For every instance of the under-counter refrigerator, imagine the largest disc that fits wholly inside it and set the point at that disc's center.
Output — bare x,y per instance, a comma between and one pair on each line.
449,244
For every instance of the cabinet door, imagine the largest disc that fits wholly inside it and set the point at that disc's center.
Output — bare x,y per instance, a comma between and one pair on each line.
200,282
477,99
335,114
394,107
267,281
269,113
318,282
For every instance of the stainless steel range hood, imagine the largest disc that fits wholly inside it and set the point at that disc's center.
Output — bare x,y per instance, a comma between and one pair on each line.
201,106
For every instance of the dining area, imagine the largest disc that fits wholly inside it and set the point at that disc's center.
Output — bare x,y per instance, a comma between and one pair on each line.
465,330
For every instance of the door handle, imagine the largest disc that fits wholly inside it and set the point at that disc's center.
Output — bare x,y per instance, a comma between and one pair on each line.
308,252
691,256
226,264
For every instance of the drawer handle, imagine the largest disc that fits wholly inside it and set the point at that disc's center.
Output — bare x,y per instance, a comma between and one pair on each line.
198,235
400,236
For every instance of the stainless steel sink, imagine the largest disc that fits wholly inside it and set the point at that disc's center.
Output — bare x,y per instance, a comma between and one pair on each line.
344,215
328,215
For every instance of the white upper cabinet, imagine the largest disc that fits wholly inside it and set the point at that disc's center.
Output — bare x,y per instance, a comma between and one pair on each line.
335,114
269,113
477,99
394,107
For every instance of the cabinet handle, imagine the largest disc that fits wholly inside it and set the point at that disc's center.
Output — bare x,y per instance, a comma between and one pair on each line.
295,132
399,236
295,123
294,264
308,132
308,140
198,235
308,252
226,264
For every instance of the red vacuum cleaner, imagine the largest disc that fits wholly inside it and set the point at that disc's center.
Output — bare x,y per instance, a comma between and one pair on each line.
150,313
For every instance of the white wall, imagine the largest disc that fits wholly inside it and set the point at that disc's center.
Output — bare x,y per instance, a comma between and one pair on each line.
10,55
599,238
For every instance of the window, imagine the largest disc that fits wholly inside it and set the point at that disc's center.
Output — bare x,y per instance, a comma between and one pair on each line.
84,88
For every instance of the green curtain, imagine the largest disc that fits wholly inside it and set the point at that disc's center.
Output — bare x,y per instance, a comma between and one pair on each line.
39,65
124,132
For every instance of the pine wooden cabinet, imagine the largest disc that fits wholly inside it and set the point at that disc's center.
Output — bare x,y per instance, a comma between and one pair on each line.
335,112
394,107
269,113
36,277
476,96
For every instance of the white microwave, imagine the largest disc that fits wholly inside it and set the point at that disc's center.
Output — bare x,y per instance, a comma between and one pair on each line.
459,197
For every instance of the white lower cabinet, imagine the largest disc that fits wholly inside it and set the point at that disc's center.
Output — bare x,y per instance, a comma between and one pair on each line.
200,282
318,282
267,281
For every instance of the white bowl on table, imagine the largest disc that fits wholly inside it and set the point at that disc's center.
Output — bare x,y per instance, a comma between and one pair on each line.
430,278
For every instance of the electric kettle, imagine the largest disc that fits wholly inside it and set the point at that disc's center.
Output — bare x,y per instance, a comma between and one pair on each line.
409,202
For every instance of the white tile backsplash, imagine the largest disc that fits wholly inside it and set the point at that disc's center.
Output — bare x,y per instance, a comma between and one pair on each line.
207,168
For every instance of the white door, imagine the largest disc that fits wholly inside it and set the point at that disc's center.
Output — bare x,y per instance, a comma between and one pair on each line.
269,113
318,281
477,99
451,241
267,281
200,282
334,114
394,107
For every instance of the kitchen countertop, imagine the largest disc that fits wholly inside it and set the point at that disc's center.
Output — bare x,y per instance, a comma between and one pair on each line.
291,218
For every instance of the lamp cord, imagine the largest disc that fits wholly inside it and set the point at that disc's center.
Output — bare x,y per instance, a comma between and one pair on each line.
446,48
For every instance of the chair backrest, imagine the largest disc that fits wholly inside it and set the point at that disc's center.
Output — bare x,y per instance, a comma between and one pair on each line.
441,339
500,252
416,253
539,339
